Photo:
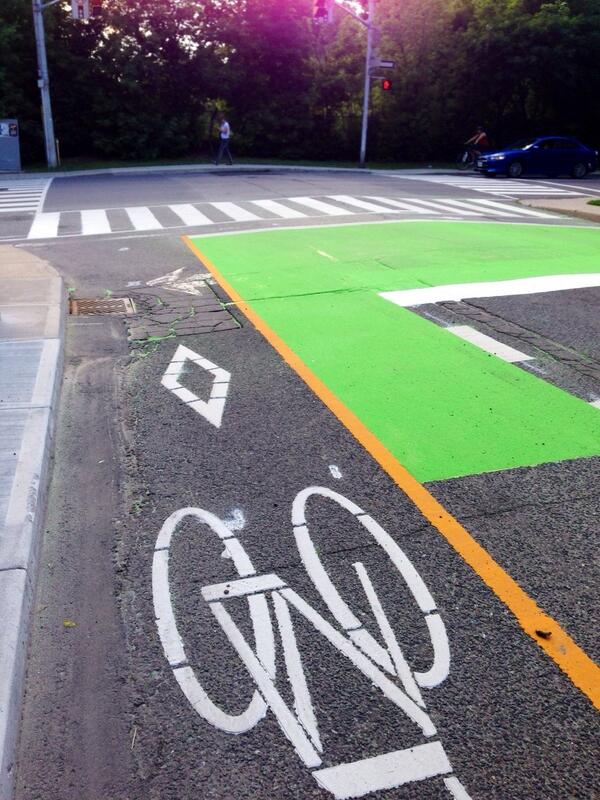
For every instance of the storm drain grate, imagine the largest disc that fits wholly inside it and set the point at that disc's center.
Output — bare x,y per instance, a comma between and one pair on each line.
105,305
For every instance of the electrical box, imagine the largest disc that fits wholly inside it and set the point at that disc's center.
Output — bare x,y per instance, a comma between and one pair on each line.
10,149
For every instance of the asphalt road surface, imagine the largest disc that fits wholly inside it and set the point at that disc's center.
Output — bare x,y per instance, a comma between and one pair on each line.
260,601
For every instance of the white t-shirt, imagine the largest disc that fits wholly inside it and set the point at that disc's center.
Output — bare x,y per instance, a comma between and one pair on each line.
225,130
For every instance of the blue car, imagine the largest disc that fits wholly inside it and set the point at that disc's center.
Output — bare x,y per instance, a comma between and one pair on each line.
544,155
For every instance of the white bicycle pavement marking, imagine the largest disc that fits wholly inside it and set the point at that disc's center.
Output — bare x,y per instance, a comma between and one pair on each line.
385,666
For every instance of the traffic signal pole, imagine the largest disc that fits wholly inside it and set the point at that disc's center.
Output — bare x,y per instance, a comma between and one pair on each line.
44,81
365,112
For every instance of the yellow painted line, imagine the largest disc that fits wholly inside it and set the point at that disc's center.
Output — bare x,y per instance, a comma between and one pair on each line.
543,629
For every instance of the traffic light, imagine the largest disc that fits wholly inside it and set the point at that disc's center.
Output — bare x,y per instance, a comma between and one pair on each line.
386,84
323,10
96,7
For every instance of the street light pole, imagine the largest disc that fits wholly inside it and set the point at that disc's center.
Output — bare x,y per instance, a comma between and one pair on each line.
365,112
43,81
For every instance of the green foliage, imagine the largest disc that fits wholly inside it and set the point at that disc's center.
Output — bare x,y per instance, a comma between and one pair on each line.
146,79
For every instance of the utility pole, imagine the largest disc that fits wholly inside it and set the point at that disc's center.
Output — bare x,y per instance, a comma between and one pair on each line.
323,13
43,80
368,59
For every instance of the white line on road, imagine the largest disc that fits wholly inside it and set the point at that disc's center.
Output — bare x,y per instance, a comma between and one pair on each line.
279,209
142,218
44,225
386,771
403,204
241,587
442,205
526,212
319,205
462,291
488,344
236,212
364,205
456,789
583,190
94,221
190,215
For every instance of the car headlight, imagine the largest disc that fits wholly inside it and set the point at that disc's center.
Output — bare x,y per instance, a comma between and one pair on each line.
496,158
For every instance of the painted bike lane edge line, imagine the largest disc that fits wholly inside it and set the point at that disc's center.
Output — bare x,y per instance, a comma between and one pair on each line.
543,629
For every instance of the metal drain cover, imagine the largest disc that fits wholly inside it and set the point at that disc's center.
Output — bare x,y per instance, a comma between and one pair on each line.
106,305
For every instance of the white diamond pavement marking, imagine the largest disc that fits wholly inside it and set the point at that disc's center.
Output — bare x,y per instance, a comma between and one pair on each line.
211,409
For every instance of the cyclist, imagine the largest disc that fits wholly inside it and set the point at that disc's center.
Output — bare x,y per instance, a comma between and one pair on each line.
479,142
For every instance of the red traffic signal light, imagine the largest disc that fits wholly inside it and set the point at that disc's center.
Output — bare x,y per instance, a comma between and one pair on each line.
386,84
96,7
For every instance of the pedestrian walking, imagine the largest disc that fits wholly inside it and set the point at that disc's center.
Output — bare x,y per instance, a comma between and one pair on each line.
224,136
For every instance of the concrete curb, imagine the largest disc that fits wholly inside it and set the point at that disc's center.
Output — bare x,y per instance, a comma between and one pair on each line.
32,324
571,206
210,169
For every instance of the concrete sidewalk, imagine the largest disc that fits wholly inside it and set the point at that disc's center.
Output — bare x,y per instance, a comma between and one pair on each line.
32,322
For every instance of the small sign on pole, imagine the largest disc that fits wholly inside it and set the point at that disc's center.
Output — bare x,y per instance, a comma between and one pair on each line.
80,9
381,63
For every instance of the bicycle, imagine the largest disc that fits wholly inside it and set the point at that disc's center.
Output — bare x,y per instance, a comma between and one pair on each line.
467,159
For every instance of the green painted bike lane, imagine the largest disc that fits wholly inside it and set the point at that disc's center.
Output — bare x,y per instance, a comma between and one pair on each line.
442,406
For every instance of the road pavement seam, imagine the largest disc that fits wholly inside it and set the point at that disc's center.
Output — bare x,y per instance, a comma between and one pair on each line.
584,365
556,643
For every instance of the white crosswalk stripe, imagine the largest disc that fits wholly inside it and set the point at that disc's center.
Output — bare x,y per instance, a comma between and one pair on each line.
22,195
364,205
190,215
142,218
94,221
180,215
236,212
498,186
405,205
506,210
45,225
445,207
285,212
320,206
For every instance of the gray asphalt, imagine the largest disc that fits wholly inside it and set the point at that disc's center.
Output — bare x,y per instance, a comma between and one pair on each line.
105,718
114,193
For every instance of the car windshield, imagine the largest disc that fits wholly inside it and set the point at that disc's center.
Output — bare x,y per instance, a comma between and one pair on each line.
522,144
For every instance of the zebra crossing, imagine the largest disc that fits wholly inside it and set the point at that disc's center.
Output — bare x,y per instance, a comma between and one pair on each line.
93,222
22,195
500,186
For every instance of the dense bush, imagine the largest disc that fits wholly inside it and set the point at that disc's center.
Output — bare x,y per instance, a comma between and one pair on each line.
145,79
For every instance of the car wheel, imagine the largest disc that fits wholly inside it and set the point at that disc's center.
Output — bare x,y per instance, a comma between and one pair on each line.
579,170
515,170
